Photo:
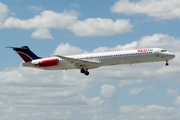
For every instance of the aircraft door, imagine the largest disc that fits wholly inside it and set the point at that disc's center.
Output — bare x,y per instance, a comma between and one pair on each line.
157,53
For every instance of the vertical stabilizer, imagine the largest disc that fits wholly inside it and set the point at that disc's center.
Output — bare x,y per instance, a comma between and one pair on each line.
25,53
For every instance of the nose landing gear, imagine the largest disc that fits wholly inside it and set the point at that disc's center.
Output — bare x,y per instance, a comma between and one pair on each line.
167,63
85,72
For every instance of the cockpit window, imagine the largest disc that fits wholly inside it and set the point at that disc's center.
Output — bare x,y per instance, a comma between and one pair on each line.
163,50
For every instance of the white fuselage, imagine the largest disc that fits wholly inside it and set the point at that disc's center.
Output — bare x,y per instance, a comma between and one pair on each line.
108,58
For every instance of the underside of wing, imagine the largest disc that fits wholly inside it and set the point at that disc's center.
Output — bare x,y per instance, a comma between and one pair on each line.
81,63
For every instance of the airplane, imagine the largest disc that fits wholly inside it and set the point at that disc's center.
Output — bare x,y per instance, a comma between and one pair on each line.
84,62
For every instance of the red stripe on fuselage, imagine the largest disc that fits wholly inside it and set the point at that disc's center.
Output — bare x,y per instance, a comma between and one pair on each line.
25,57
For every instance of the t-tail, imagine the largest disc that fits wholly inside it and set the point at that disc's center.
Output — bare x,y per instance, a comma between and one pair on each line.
25,53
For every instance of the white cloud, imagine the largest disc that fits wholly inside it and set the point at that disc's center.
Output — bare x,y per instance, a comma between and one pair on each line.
172,92
68,20
100,27
129,82
66,49
40,94
108,91
47,19
42,34
135,91
160,9
35,9
177,101
105,117
74,5
97,117
3,12
150,112
150,88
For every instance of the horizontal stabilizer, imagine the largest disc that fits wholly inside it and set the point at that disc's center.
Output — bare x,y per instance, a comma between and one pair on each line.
15,47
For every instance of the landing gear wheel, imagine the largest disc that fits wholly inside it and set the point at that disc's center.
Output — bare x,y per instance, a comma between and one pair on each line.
82,70
86,73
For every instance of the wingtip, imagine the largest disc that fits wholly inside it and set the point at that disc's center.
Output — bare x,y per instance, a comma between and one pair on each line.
7,47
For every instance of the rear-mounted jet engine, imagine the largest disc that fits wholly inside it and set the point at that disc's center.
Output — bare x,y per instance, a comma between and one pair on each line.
48,62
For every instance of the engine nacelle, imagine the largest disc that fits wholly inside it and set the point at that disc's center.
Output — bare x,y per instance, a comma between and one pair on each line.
48,62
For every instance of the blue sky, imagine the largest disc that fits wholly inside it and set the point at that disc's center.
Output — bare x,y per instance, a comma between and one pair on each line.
148,91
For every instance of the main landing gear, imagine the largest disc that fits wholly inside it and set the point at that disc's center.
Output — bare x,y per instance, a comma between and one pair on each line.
85,71
167,63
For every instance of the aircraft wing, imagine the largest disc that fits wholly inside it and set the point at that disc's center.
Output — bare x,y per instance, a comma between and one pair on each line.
80,63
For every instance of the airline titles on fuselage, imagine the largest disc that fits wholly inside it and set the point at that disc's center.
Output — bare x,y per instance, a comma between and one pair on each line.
145,50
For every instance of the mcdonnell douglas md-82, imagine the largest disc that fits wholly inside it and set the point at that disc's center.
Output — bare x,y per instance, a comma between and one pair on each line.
84,62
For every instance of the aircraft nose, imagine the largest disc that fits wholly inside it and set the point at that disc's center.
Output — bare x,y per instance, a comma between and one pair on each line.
171,56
